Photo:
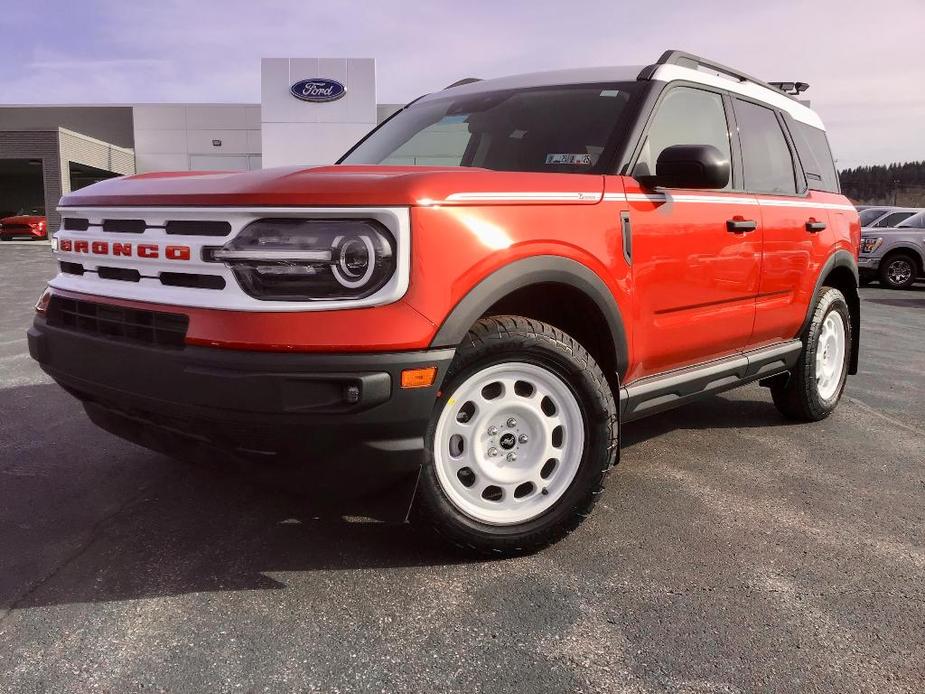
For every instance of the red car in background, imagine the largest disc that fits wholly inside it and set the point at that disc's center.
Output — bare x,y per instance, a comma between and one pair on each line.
30,224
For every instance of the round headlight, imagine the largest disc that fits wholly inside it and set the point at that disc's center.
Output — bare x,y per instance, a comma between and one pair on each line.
355,260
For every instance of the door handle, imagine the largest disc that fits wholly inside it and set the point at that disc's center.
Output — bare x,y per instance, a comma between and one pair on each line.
738,225
812,226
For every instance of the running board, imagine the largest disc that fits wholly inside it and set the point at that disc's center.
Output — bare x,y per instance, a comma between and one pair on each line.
662,392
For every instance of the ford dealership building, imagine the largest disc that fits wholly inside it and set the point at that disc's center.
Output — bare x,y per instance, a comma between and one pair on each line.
311,111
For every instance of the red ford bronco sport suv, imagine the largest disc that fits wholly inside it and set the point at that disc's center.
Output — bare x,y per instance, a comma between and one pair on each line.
477,294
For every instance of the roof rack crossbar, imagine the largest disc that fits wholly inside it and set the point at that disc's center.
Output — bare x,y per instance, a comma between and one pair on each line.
684,59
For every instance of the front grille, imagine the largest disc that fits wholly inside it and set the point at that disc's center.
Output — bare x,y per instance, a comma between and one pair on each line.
186,279
194,228
76,224
125,226
119,273
72,268
118,322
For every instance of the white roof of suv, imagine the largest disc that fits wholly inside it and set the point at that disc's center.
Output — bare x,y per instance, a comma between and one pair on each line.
666,70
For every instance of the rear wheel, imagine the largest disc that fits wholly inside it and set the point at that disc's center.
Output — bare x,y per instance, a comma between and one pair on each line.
898,271
815,384
522,436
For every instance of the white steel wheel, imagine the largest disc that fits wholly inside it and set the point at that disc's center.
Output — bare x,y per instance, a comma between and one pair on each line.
830,355
508,443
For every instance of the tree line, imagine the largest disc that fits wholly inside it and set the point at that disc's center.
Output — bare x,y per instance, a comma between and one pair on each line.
890,183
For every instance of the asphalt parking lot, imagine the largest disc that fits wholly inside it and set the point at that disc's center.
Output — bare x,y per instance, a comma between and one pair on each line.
731,552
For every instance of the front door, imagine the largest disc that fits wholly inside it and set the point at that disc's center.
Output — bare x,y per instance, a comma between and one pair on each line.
696,253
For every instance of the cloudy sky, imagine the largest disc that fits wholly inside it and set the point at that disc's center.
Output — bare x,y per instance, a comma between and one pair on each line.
864,60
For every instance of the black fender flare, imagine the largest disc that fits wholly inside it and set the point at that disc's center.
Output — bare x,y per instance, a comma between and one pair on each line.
840,258
543,269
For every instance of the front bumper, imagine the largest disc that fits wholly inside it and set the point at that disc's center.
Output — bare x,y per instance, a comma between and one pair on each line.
289,405
870,263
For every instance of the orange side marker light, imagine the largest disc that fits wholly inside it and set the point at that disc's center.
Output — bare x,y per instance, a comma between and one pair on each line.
418,378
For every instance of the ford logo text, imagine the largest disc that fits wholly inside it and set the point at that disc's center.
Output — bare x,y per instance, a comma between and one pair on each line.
318,90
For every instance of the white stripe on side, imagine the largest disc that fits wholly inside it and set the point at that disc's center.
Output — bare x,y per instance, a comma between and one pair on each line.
722,200
528,196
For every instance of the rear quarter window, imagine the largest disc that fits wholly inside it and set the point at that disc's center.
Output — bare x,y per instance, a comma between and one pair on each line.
815,156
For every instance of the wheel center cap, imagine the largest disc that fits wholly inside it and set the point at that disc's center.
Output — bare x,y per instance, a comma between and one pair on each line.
507,441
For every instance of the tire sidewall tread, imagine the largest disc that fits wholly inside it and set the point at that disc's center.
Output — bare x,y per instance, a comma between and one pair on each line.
500,339
799,398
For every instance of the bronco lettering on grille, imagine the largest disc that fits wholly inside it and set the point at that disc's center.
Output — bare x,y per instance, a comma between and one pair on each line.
140,250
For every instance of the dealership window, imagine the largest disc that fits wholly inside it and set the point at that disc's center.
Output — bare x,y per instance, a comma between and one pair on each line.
549,129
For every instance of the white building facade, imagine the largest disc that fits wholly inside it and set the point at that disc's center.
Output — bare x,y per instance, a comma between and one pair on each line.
312,125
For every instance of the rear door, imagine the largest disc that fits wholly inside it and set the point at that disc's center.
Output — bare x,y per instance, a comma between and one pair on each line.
795,220
695,278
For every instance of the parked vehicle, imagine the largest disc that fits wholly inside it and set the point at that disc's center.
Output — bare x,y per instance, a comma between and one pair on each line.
869,214
891,218
596,248
27,223
894,256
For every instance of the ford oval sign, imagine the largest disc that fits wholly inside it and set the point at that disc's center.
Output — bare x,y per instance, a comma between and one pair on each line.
318,90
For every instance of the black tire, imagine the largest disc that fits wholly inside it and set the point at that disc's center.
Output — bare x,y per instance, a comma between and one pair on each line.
503,339
797,397
896,266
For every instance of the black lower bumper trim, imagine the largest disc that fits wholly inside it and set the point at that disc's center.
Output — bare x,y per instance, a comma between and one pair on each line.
257,403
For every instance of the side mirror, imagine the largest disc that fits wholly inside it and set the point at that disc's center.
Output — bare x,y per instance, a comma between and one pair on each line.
689,166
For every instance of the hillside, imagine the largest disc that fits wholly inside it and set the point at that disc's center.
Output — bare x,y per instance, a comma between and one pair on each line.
892,184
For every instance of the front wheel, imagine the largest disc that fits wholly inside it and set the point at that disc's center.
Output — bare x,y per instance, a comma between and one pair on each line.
815,384
523,433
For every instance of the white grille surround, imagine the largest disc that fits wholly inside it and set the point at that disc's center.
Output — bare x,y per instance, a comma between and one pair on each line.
232,297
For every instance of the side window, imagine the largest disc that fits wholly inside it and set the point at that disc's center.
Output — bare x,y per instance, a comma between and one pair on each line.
891,220
815,155
768,163
686,116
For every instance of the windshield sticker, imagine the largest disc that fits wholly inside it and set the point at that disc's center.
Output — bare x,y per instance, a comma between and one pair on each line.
575,159
610,92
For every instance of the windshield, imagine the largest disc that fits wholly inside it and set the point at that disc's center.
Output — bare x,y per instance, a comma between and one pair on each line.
30,212
549,129
870,215
917,221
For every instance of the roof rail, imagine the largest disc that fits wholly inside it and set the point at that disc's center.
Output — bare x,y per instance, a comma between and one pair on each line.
464,80
683,59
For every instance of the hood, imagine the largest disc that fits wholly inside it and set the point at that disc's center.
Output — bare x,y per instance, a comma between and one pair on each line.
22,219
324,185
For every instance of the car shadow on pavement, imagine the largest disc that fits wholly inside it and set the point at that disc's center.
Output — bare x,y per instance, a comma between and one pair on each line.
86,517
